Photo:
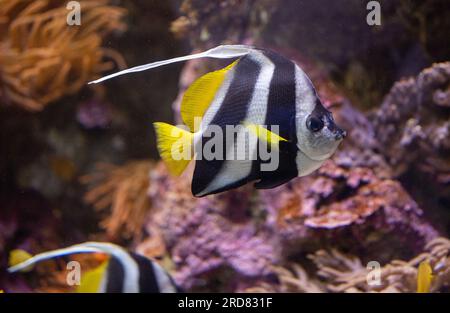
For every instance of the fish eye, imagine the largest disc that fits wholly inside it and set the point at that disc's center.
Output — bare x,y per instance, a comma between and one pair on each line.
314,124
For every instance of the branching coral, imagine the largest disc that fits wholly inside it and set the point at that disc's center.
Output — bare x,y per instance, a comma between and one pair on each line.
124,190
43,58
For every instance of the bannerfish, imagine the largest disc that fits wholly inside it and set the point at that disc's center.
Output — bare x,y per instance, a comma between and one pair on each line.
260,91
121,272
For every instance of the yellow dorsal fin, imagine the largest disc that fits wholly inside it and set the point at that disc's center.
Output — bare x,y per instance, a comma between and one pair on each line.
18,256
424,277
91,280
264,134
200,94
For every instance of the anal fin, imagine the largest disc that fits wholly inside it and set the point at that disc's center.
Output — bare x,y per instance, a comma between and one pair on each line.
272,182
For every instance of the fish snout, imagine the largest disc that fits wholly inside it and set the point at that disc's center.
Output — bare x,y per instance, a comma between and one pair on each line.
340,134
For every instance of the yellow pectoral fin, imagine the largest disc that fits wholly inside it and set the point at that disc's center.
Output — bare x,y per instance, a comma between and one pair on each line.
91,280
175,146
264,134
200,94
424,277
18,256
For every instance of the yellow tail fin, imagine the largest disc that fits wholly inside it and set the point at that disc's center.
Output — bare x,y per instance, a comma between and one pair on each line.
175,146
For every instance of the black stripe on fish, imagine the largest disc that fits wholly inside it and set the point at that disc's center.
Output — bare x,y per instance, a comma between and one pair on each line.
281,102
148,279
281,109
115,276
232,111
148,282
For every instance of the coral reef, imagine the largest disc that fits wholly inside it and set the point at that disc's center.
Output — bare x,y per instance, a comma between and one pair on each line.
206,235
54,59
355,191
339,272
413,126
383,196
353,202
348,207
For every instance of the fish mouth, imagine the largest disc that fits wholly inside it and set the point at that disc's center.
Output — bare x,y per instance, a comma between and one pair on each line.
339,134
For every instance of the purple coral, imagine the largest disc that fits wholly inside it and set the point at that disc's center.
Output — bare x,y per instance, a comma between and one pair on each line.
351,200
216,242
207,234
412,126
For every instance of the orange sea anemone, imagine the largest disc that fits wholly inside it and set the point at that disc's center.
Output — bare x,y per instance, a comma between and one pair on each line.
123,190
43,58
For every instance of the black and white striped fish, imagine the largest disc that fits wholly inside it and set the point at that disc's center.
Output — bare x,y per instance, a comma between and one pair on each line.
260,90
122,272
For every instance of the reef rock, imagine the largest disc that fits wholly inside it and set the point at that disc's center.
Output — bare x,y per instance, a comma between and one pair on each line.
413,127
204,235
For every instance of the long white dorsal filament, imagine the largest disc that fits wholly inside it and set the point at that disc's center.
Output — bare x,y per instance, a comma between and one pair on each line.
220,52
52,254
